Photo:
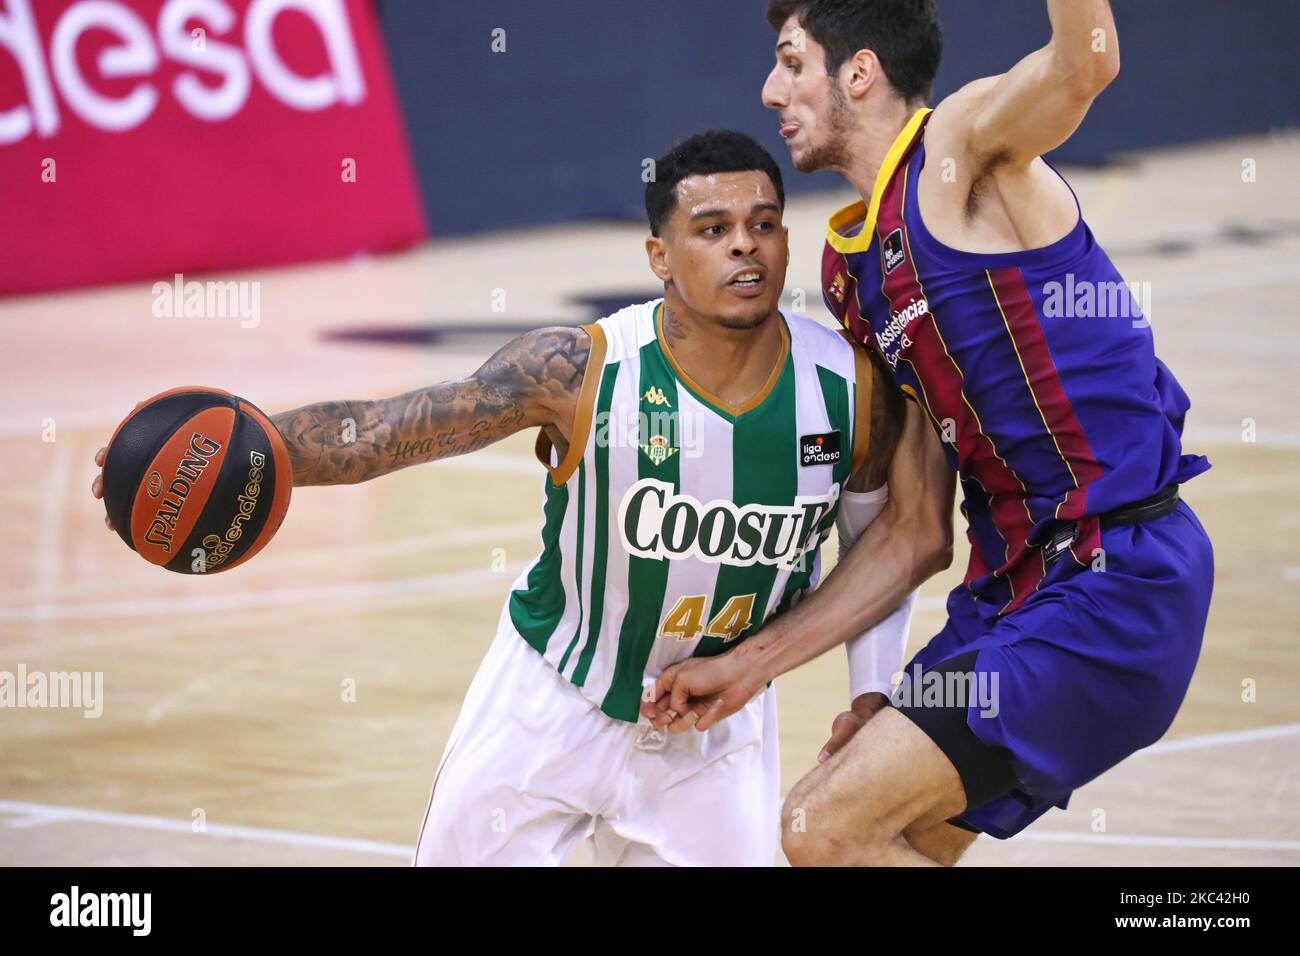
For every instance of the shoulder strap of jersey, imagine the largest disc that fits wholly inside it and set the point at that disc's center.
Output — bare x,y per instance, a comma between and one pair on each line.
865,376
582,415
895,161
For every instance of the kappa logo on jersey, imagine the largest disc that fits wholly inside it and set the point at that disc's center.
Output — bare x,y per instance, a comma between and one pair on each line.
658,450
819,449
656,522
655,396
893,250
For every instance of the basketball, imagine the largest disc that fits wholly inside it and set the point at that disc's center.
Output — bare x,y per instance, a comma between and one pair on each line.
196,480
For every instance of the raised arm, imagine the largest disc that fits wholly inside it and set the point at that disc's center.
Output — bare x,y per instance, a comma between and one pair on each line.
533,380
1035,106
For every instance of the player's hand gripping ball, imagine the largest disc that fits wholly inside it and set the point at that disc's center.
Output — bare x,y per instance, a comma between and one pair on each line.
196,480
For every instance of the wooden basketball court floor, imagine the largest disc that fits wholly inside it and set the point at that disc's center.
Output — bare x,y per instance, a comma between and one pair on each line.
225,736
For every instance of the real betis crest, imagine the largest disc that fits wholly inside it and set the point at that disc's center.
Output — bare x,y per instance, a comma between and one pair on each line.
658,450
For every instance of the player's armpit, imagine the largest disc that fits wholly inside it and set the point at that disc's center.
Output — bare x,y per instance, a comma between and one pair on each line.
533,380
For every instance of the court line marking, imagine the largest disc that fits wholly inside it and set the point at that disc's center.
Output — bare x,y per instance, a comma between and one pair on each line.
1229,435
71,610
40,648
279,597
1212,486
1216,740
272,597
1181,285
193,628
1174,285
457,537
200,685
301,556
44,814
1208,843
79,419
50,554
1191,842
524,464
495,462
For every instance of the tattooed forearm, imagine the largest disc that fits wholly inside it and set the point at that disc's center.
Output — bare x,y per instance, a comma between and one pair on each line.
321,439
533,380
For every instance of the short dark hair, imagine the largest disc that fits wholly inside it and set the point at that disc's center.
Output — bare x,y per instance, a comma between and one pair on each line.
904,35
715,151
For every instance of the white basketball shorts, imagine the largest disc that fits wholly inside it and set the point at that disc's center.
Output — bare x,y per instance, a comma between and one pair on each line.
532,766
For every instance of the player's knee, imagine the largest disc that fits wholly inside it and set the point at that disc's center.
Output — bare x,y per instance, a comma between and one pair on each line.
943,854
804,848
802,802
814,833
944,843
801,847
829,846
954,854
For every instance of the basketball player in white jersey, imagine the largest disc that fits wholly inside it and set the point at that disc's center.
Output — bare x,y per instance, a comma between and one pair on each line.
698,449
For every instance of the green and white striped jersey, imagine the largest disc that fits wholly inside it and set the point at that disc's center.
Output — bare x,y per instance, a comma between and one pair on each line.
677,524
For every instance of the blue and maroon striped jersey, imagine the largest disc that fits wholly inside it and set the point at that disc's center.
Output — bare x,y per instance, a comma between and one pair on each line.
1036,367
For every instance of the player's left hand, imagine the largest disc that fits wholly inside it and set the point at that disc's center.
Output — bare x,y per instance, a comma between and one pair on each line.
97,486
849,722
700,692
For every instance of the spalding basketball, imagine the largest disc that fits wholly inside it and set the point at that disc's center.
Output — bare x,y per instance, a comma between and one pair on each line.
197,480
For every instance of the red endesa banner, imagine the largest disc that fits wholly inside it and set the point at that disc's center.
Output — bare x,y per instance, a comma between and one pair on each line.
140,138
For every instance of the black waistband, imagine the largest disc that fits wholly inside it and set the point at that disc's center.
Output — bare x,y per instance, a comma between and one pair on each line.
1059,536
1157,506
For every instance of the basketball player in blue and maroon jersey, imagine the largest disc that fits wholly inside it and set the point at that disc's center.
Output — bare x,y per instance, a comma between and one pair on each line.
968,269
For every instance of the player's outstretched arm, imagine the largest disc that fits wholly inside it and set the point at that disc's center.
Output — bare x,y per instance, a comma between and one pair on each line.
533,380
910,541
1036,105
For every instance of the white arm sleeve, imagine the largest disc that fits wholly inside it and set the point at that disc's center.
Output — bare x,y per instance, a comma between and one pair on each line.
876,654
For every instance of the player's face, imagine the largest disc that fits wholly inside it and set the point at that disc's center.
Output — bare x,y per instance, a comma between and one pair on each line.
724,247
812,110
